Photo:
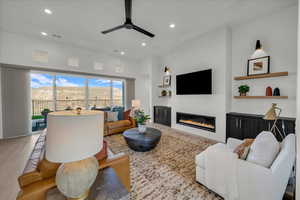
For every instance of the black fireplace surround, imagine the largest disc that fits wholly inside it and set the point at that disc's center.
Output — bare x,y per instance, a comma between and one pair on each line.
207,123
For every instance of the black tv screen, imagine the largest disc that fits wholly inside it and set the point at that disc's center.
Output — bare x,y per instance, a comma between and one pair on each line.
194,83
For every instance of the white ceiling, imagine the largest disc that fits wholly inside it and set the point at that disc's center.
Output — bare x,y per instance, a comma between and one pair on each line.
80,22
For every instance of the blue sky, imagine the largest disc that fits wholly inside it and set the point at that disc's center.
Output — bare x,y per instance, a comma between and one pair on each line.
42,80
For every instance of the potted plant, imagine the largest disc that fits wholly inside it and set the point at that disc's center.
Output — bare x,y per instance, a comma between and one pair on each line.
243,89
141,118
45,114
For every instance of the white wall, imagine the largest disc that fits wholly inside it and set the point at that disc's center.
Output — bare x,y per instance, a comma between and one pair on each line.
18,49
227,51
278,33
205,52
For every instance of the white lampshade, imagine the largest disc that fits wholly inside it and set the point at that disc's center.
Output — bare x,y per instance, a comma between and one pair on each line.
72,137
136,103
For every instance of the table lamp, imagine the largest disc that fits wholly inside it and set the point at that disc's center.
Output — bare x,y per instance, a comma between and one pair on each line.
73,139
273,116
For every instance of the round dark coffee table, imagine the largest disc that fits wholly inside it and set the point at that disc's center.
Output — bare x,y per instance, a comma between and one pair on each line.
142,141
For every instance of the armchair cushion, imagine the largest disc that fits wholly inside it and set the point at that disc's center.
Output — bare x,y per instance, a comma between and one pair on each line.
264,149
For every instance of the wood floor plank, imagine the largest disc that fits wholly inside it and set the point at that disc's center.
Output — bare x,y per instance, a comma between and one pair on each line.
14,154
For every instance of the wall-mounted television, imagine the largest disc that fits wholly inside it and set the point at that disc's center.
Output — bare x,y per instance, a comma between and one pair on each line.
194,83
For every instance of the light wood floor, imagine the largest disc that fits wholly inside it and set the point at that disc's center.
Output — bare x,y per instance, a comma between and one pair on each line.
14,154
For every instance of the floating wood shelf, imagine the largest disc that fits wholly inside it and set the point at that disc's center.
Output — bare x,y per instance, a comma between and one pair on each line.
163,86
165,96
276,74
261,97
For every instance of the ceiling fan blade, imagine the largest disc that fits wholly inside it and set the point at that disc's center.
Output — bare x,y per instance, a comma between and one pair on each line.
128,8
143,31
113,29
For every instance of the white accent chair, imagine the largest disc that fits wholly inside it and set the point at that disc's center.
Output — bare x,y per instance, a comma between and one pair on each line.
252,181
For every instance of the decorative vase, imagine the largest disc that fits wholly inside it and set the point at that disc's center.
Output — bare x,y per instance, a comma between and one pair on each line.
142,128
269,91
243,94
276,92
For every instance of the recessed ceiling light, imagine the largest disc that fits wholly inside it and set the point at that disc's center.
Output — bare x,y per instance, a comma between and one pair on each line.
48,11
44,33
172,25
144,44
122,53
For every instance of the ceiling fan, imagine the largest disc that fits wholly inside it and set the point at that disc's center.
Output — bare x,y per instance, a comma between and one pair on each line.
128,23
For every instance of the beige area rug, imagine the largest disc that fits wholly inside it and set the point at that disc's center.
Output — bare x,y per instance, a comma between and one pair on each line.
167,172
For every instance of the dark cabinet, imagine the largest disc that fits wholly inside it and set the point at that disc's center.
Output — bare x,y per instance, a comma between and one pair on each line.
162,115
241,126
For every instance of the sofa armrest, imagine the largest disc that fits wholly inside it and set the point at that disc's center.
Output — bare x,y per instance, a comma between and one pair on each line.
255,181
29,178
232,143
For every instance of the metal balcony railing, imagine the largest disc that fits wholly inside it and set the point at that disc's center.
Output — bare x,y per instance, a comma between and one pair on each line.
39,105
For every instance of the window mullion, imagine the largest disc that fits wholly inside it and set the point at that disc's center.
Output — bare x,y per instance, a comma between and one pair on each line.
86,94
111,94
54,93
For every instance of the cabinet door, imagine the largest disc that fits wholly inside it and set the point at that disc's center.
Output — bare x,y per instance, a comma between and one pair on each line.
234,129
250,127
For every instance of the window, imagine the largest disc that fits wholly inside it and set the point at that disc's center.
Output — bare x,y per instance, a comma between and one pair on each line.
99,92
70,92
63,91
41,93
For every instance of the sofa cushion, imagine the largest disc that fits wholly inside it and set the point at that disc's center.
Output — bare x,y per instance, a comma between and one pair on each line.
264,149
243,149
118,124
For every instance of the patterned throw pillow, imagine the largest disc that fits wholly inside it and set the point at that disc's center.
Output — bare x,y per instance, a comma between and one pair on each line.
243,149
112,116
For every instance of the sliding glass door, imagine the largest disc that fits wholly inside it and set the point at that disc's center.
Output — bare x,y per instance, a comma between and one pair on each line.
99,92
55,92
70,92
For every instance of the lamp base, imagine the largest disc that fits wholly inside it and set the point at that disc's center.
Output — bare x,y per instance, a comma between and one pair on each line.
75,178
83,197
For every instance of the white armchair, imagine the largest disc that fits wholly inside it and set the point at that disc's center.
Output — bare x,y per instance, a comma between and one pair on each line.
248,180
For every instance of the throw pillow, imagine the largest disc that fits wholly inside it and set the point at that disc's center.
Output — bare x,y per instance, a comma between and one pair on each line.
127,114
243,149
120,111
264,149
112,116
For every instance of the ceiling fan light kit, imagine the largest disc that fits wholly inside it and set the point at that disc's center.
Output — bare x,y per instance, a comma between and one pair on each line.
128,22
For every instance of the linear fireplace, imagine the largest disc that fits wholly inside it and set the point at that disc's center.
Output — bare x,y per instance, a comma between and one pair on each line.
197,121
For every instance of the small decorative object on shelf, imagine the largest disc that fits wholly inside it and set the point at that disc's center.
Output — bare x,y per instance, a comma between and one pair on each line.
170,93
141,118
163,93
167,80
276,92
269,91
167,71
243,89
258,66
